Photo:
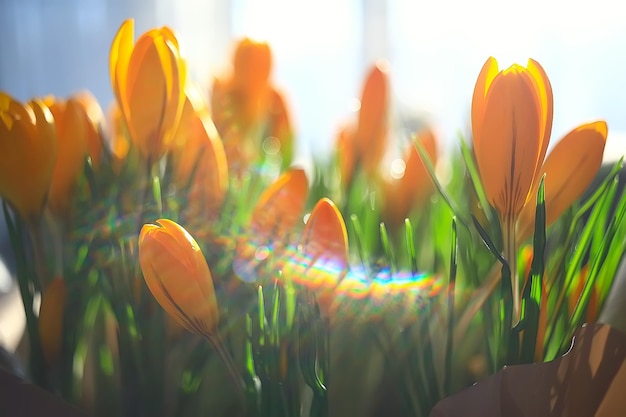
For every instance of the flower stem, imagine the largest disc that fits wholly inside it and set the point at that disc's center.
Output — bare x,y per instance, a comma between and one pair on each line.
41,270
235,375
510,254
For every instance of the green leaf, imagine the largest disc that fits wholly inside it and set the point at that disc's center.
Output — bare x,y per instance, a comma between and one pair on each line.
531,297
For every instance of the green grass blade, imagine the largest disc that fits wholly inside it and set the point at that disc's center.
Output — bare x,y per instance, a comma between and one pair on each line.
360,243
447,379
410,246
388,248
472,171
262,317
531,298
440,188
598,261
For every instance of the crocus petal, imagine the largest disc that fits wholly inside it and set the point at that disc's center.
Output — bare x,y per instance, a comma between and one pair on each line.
324,236
371,130
148,79
325,252
511,140
252,65
485,78
71,124
570,167
199,161
28,143
275,215
175,82
279,208
346,153
404,190
119,58
416,179
544,94
280,126
146,97
94,120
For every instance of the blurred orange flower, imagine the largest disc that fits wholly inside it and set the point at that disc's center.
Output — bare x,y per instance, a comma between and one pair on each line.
371,131
71,125
323,259
199,160
28,152
94,122
148,79
362,145
274,218
178,276
117,140
408,184
248,110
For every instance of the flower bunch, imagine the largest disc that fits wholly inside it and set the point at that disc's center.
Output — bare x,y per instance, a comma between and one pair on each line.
371,282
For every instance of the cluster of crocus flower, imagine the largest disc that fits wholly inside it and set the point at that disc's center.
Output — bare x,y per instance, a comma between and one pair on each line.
52,139
148,78
403,182
249,111
165,193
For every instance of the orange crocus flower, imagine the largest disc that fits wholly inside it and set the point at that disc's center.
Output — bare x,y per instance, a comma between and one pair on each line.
94,122
71,125
345,153
117,141
361,145
511,126
178,276
274,217
412,185
148,79
371,131
199,160
247,109
323,258
569,168
252,65
28,152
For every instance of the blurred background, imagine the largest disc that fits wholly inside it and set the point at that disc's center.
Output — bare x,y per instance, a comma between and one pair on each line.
322,50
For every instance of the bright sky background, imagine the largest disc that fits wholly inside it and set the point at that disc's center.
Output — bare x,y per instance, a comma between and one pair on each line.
436,49
323,48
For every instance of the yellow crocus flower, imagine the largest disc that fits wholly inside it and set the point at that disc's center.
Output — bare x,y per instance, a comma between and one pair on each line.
148,78
199,160
370,137
94,117
177,275
28,150
273,220
324,246
411,187
511,126
71,125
